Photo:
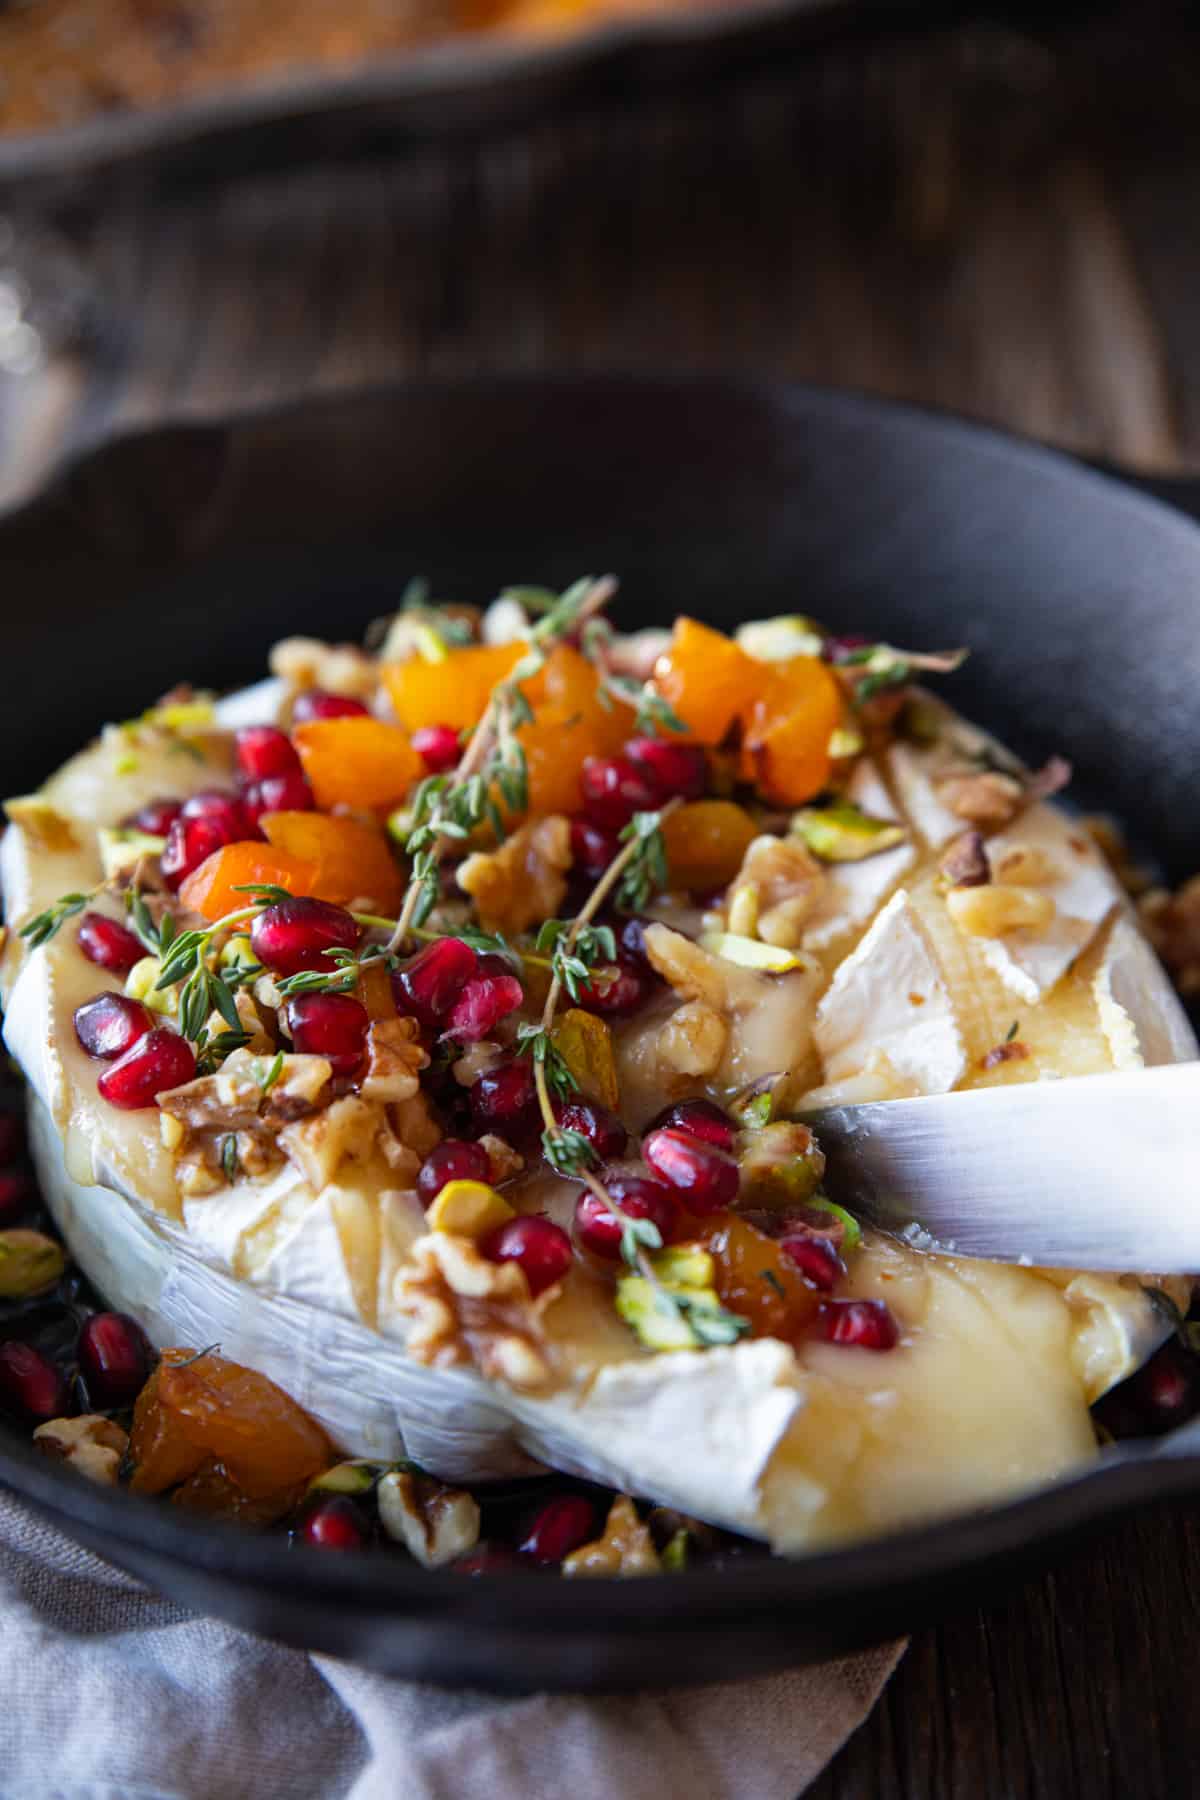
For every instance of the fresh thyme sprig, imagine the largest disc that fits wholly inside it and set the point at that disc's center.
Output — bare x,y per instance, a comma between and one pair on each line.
40,929
344,977
878,668
645,869
652,712
447,808
574,963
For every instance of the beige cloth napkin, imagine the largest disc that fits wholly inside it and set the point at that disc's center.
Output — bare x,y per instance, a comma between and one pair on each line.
108,1692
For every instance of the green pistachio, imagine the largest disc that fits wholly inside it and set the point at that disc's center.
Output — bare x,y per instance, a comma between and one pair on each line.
841,833
121,847
775,640
346,1478
674,1556
140,985
29,1262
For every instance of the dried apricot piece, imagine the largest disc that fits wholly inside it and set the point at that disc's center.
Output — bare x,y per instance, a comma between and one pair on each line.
706,842
357,761
708,679
352,860
455,689
212,889
786,734
203,1408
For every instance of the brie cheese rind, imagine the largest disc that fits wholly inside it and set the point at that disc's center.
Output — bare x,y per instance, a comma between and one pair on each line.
987,1393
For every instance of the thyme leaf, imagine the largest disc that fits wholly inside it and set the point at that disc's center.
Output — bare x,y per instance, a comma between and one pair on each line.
646,871
45,925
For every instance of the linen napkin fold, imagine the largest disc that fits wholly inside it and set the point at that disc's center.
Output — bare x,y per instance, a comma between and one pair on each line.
112,1693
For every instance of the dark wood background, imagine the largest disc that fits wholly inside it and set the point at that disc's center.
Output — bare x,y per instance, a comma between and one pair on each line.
996,218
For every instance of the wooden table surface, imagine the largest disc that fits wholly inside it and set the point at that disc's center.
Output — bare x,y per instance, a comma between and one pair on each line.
992,219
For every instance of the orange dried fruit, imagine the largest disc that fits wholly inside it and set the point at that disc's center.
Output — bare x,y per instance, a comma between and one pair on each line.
212,889
357,761
705,843
756,1279
786,735
454,690
708,680
197,1410
352,860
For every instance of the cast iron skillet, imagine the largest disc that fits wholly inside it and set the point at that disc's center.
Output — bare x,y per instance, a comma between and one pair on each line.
184,553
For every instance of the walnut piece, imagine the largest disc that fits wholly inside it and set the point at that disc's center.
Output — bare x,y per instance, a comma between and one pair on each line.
626,1547
1172,923
523,882
774,891
982,797
697,974
394,1060
435,1523
340,668
408,1133
466,1310
693,1041
345,1131
90,1444
503,1161
197,1120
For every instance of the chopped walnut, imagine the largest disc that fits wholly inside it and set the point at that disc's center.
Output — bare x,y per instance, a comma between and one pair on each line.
91,1444
345,1131
198,1120
523,882
964,863
414,1124
1172,923
435,1523
779,882
982,797
697,974
466,1310
475,1061
626,1547
340,668
693,1041
394,1060
503,1161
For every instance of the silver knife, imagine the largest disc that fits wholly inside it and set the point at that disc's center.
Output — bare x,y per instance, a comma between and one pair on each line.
1091,1172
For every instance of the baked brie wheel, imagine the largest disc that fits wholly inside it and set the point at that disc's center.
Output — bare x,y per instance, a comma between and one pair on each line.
426,1029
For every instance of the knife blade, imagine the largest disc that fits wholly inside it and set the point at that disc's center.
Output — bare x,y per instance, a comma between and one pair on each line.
1090,1172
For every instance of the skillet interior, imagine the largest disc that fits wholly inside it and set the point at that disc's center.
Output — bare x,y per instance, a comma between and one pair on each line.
184,553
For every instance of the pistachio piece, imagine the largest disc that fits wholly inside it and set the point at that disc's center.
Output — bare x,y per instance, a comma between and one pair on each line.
651,1308
140,984
122,846
844,833
781,1165
91,1445
469,1208
750,953
435,1523
29,1262
357,1477
965,863
775,640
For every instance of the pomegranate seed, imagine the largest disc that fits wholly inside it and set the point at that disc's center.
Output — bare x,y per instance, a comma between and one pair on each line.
614,789
155,818
602,1129
315,703
504,1099
599,1230
816,1259
108,944
592,849
559,1527
206,823
110,1024
160,1060
278,793
866,1323
438,747
481,1006
615,990
11,1135
435,977
299,934
486,1559
700,1119
1165,1391
330,1025
707,1180
31,1385
336,1524
454,1159
538,1246
115,1359
673,768
16,1195
262,750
